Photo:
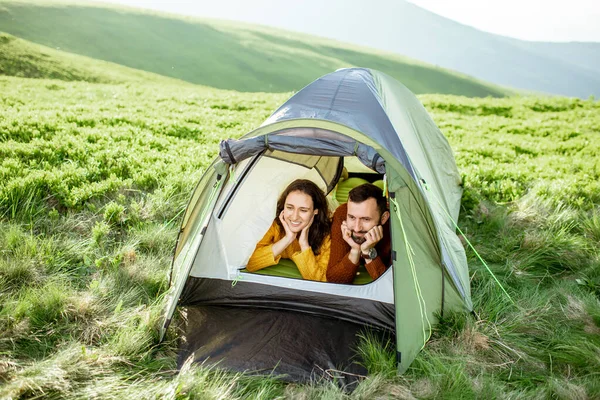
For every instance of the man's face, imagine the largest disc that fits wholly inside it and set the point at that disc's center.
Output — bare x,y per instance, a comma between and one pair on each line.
361,218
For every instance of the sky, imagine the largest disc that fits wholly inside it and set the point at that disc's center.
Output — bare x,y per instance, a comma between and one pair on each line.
539,20
536,20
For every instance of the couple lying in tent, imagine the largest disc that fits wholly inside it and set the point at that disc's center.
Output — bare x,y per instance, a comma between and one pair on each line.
324,249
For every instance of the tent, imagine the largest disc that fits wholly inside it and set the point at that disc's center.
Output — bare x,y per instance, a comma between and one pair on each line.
356,118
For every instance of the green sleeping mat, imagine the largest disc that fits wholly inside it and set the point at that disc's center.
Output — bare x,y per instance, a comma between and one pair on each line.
287,269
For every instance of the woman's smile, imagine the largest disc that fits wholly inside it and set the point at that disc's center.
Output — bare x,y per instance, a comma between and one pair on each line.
298,210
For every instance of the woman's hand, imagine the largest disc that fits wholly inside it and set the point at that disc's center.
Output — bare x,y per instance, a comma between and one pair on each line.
283,243
289,235
303,240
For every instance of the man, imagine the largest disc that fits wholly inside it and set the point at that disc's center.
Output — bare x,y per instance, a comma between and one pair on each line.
360,234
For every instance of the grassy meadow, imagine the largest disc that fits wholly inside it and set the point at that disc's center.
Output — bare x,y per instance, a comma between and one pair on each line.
93,181
220,54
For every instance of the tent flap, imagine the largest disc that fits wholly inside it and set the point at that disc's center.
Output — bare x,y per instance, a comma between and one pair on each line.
233,151
291,346
219,292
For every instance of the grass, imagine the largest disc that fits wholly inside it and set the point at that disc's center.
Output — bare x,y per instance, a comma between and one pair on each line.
218,54
93,178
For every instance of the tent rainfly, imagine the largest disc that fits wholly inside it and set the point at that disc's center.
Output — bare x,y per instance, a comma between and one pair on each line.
273,322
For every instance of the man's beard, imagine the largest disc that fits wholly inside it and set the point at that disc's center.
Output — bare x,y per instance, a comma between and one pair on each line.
358,240
363,238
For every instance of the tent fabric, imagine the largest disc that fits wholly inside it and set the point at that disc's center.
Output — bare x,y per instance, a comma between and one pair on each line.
219,292
352,112
349,97
233,151
420,136
436,166
302,347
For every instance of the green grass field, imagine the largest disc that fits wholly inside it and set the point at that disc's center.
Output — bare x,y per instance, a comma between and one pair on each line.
219,54
93,180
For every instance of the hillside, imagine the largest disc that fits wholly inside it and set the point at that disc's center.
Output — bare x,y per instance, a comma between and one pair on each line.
401,27
24,59
218,54
584,55
93,180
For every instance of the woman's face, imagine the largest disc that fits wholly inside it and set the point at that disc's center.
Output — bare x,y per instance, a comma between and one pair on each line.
298,210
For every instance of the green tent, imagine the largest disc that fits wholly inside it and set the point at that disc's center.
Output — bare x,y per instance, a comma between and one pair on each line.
356,118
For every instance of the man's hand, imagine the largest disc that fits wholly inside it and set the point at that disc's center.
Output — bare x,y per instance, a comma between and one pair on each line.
347,235
354,254
372,237
303,240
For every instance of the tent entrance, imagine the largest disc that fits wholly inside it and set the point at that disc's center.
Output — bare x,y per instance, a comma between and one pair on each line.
247,206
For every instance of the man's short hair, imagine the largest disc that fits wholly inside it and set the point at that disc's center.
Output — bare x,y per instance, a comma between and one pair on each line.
366,191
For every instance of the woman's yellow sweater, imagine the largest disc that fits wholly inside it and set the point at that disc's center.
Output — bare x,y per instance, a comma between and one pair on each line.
312,267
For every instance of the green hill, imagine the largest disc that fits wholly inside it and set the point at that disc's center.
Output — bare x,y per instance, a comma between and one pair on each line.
402,27
214,53
24,59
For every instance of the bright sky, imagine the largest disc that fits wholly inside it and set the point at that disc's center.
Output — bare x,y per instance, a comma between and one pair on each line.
543,20
539,20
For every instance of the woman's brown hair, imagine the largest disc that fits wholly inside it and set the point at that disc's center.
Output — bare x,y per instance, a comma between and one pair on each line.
321,225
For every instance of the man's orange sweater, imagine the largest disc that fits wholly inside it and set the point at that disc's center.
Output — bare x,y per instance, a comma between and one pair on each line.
340,269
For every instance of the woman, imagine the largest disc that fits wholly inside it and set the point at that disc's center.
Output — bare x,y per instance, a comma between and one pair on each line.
300,232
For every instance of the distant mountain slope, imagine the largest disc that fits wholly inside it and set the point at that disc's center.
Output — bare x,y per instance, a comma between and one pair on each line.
581,54
24,59
571,69
218,54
